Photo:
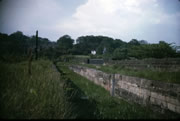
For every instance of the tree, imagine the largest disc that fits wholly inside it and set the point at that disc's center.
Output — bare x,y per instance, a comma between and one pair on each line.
143,42
165,50
106,43
18,43
87,44
117,43
120,53
65,44
134,42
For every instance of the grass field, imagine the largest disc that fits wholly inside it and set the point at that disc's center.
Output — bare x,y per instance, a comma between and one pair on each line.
108,107
39,96
152,74
49,94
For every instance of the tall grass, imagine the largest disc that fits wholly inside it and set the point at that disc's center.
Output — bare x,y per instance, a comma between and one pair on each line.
109,107
36,96
47,94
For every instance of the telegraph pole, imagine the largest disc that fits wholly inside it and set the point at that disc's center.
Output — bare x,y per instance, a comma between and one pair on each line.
36,49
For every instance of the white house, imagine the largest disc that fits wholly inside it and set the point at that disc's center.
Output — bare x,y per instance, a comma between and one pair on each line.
93,52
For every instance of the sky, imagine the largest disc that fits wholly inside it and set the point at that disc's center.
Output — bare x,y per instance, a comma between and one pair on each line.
150,20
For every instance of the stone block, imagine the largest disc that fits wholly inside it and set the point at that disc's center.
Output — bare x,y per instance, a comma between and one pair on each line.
171,107
128,87
119,83
131,80
172,100
124,85
137,81
146,93
152,100
162,97
178,109
118,77
135,90
157,101
138,93
168,98
123,78
154,94
146,97
162,104
138,90
158,96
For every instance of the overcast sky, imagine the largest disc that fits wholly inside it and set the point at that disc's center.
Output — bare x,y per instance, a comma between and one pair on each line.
151,20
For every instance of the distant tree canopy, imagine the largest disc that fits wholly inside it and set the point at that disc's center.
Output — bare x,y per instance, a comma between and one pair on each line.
17,44
87,43
134,42
65,44
118,49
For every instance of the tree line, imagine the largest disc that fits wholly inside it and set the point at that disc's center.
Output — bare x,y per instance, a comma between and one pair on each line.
17,45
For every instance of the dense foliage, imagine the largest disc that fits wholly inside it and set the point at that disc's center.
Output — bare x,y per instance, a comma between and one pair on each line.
16,46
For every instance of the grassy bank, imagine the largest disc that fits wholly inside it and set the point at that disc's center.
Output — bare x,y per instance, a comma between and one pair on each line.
152,74
47,94
110,107
39,96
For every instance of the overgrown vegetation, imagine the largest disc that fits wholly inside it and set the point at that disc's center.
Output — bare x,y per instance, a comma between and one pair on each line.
82,107
109,107
39,96
48,94
152,74
16,45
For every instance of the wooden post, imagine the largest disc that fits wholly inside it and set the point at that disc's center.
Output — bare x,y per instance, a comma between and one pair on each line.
36,49
112,84
29,60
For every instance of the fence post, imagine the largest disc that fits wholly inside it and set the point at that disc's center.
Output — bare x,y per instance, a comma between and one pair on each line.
36,49
29,60
112,84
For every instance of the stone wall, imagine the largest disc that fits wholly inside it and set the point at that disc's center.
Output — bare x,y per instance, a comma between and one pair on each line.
148,92
98,77
96,61
172,64
142,91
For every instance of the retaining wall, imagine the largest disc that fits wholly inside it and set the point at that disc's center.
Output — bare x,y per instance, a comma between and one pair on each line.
172,64
142,91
